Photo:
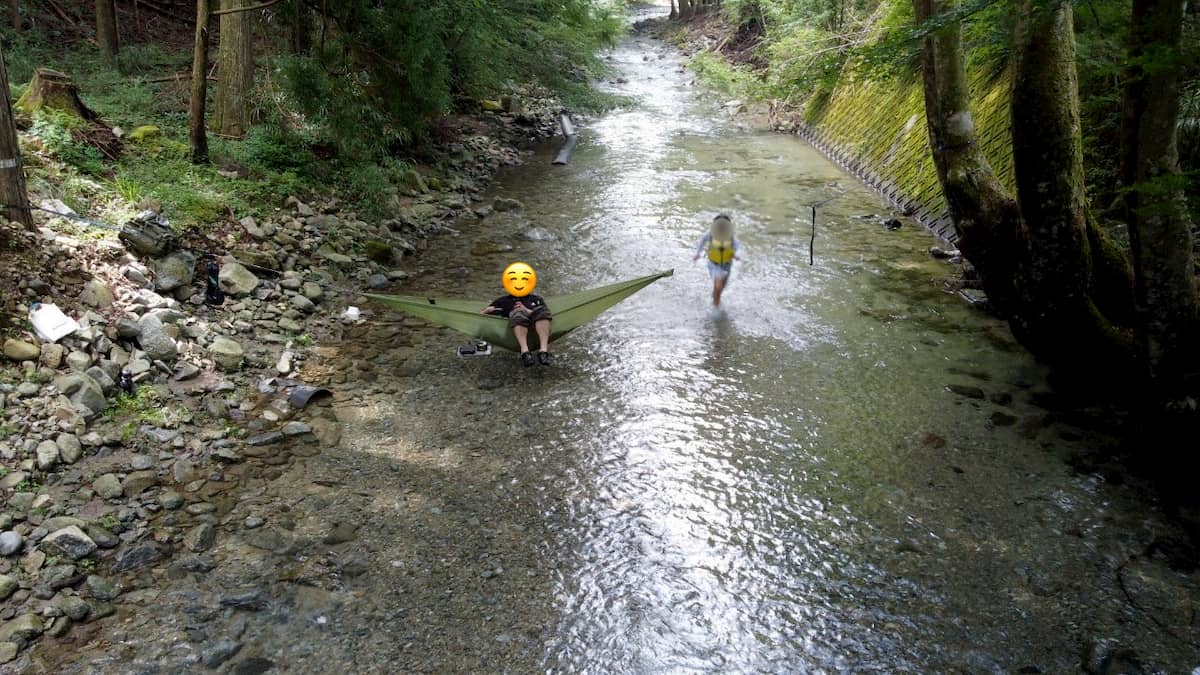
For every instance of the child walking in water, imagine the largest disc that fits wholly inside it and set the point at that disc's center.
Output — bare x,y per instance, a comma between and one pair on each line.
722,249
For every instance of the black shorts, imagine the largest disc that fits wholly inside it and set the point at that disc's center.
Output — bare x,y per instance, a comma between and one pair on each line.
522,317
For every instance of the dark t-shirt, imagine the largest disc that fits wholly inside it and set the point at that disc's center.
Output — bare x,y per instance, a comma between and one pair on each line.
504,305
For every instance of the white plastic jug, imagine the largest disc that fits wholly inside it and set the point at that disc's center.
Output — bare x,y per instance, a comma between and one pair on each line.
49,322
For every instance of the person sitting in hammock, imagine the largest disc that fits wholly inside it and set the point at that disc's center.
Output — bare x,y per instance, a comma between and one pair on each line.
722,249
524,309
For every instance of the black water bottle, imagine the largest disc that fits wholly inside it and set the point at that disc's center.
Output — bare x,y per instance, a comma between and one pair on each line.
213,294
125,381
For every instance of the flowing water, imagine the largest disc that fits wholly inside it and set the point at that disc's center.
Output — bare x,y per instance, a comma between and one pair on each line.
788,485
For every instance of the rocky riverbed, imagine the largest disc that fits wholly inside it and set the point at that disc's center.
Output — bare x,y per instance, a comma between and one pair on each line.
143,456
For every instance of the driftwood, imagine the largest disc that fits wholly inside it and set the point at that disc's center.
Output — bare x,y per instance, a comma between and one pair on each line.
568,130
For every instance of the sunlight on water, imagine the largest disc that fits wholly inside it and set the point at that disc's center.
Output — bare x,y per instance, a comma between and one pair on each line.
730,476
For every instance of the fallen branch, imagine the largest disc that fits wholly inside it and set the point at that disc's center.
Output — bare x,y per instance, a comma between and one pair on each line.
177,77
163,11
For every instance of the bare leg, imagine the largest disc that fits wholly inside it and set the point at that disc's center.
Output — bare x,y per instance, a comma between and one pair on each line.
543,332
522,334
718,289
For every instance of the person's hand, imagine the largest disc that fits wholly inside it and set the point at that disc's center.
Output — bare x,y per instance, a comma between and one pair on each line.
520,305
487,310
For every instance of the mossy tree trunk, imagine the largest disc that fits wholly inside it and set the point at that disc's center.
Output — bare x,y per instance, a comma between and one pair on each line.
197,133
14,15
1033,252
235,70
1055,281
106,31
1159,226
56,91
13,196
985,216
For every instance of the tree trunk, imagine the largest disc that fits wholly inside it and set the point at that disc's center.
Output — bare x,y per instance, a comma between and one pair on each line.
1033,253
985,217
12,175
674,13
198,135
106,31
301,29
54,90
1054,276
14,15
235,68
1159,226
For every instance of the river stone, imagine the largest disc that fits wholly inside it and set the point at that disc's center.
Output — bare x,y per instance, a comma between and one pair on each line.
503,204
69,448
146,553
141,462
10,543
100,588
127,328
8,651
227,353
107,384
52,355
174,271
303,304
23,628
253,599
57,577
12,480
377,282
96,294
19,350
138,482
70,542
200,538
153,338
8,586
102,537
59,522
80,361
170,500
107,486
290,325
220,652
83,391
234,279
21,502
74,607
47,455
313,291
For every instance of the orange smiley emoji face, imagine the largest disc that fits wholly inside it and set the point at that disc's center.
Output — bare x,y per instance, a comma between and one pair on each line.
519,279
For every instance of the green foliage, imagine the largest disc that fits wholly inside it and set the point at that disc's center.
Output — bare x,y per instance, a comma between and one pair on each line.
62,134
143,406
725,77
387,68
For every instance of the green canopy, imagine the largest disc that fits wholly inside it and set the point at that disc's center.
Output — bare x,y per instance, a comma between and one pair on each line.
570,311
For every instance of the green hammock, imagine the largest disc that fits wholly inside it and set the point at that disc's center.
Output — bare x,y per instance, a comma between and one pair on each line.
570,311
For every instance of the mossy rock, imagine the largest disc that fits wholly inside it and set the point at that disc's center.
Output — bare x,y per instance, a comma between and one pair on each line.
380,251
146,134
414,181
491,106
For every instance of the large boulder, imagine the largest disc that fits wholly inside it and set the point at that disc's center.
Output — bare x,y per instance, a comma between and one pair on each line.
96,294
174,271
227,353
18,350
153,338
21,629
47,455
236,280
83,391
70,449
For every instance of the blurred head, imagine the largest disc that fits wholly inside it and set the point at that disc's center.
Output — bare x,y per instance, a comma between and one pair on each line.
519,279
722,225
